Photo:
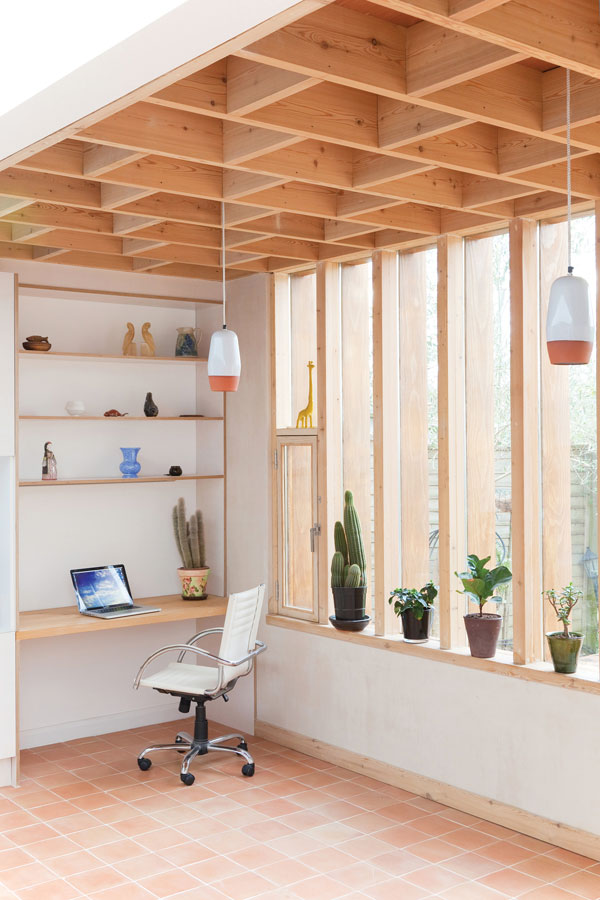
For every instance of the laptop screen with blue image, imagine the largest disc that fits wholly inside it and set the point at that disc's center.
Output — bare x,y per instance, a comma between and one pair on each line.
101,587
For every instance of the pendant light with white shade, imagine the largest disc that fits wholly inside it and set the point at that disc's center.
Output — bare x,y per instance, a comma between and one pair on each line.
224,363
570,323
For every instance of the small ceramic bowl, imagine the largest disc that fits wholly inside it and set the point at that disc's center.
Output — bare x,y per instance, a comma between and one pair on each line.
38,346
75,407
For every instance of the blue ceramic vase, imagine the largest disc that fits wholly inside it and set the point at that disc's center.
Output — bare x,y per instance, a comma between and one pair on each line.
130,466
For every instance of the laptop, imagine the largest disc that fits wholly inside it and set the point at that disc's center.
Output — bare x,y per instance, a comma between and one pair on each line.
104,592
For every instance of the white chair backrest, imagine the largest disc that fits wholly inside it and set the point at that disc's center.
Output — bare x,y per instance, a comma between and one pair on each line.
239,632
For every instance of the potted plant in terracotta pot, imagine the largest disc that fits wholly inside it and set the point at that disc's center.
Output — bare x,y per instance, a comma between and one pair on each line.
479,584
348,571
415,608
189,537
564,645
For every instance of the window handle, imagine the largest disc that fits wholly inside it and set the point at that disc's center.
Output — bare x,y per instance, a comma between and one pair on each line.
315,531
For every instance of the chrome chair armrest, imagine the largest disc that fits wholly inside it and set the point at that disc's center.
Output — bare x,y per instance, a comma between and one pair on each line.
197,637
259,647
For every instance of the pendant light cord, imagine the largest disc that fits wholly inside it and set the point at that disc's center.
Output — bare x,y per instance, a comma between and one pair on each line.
570,267
223,293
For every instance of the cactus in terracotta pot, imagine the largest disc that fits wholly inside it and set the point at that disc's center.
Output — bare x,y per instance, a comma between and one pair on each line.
189,537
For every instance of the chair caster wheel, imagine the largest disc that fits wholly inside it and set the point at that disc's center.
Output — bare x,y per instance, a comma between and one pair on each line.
248,770
144,763
187,778
242,745
179,740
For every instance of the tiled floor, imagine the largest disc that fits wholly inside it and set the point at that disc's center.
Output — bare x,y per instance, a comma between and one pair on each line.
87,823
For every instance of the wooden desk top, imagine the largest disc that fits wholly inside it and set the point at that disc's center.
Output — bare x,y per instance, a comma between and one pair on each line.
41,623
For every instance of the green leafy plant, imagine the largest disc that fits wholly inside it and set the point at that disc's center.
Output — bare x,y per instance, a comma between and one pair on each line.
405,599
562,603
479,582
348,565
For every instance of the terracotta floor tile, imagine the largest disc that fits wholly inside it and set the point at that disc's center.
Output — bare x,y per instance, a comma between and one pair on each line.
50,890
548,892
86,824
360,875
510,881
434,879
26,876
506,853
327,859
472,890
9,859
584,884
73,863
256,856
320,887
97,880
286,871
545,868
398,862
241,887
167,883
471,865
214,869
394,890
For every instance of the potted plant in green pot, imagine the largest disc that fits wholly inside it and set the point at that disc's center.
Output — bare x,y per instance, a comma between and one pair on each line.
564,645
415,608
348,572
479,585
189,537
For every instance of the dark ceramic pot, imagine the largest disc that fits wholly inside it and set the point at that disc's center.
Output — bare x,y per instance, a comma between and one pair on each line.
416,631
483,632
150,407
349,602
564,651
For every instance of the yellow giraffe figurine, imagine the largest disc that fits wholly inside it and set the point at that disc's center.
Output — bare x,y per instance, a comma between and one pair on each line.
305,415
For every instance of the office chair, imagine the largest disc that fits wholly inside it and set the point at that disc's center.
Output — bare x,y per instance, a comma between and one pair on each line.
199,684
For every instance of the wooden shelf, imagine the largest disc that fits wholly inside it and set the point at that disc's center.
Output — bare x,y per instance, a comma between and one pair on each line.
122,418
140,480
42,623
49,354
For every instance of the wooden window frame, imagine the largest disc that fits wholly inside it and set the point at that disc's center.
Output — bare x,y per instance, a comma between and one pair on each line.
456,259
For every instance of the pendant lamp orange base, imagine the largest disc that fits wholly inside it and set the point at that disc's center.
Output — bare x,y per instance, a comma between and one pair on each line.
223,382
570,353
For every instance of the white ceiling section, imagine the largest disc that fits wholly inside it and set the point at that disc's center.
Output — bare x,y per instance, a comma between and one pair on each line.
68,36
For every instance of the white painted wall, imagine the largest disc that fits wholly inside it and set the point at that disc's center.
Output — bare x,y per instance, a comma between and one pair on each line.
496,736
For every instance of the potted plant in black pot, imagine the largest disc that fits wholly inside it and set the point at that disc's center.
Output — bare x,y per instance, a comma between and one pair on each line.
564,645
479,584
415,608
348,571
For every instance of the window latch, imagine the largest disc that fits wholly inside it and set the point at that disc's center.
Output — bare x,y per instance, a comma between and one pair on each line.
315,531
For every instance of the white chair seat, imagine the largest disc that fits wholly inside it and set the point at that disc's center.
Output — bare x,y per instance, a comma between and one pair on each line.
183,678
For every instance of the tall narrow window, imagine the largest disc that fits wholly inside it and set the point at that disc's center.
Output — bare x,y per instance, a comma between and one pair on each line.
295,347
357,398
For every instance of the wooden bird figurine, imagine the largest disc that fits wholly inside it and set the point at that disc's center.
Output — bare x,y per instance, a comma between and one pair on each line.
148,348
129,345
306,415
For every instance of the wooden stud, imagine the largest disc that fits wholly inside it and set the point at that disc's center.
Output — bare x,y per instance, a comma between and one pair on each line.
328,421
555,434
414,463
386,437
524,393
451,441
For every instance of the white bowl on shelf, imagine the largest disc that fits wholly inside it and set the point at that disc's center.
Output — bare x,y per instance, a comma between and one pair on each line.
75,407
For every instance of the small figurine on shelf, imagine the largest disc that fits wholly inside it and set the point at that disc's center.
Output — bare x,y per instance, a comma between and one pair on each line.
49,471
305,416
129,345
150,407
148,348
